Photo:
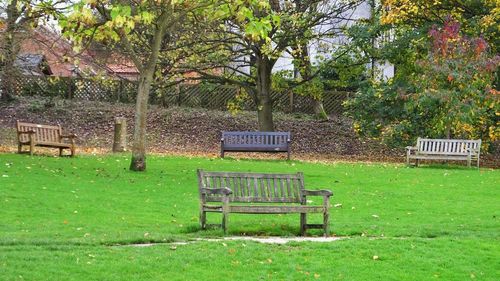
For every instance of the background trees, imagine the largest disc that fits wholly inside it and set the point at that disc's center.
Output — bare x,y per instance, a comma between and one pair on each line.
450,93
141,32
20,16
253,34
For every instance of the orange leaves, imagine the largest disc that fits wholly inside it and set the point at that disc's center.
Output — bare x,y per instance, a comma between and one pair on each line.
494,92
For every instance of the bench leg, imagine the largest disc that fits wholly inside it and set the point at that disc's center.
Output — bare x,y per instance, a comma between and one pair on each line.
225,213
416,162
288,155
203,220
303,222
60,152
326,221
326,216
469,162
224,223
19,148
32,148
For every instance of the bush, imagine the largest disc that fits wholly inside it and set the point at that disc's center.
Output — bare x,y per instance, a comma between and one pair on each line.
451,95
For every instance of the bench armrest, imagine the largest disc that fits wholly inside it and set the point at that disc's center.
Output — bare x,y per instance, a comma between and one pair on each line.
30,132
411,148
322,192
216,191
473,150
221,139
288,140
70,136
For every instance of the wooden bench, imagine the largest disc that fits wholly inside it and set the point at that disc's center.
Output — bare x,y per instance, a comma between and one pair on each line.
254,193
255,142
444,149
44,136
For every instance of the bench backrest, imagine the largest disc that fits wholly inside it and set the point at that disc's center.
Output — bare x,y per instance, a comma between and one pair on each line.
254,187
43,133
447,146
256,139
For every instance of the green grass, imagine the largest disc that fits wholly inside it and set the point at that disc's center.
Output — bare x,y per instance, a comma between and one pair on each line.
73,218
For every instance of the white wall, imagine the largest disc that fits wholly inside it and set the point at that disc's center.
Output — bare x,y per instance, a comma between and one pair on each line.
384,70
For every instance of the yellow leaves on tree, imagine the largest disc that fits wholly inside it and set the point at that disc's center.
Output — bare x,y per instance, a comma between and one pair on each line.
415,11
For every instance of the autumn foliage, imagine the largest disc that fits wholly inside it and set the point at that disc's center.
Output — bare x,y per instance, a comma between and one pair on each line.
458,74
451,95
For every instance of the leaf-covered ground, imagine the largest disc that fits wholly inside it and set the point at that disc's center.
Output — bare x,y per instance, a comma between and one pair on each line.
195,131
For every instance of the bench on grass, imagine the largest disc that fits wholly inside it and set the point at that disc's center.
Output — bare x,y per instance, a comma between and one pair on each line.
255,142
44,136
444,149
255,193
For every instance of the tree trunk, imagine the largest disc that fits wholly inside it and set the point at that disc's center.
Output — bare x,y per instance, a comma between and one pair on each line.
139,145
447,129
147,71
263,94
7,71
319,110
306,73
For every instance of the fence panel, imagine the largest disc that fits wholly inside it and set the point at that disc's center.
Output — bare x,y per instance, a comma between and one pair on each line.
191,95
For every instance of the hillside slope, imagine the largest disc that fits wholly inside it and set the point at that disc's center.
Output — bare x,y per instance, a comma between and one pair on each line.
193,131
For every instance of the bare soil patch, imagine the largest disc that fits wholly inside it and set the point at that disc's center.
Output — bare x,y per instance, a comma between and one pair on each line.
195,131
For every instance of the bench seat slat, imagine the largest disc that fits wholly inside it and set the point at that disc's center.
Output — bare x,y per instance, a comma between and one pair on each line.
259,209
52,144
275,209
439,157
254,146
252,199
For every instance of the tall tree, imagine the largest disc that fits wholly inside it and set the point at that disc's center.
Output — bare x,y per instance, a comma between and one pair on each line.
140,31
254,34
19,16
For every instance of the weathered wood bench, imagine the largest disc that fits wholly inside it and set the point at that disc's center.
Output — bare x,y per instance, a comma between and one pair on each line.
44,136
255,142
254,193
444,149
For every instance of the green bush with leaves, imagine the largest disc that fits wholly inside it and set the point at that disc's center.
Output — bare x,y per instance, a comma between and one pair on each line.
451,95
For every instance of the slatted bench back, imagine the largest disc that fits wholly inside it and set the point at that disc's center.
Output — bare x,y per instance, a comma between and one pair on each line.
43,133
254,187
447,146
254,140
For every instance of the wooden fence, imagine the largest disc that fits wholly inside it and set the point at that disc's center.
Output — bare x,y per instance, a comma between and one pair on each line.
191,95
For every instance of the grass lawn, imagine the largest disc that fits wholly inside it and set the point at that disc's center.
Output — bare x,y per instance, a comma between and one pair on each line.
73,218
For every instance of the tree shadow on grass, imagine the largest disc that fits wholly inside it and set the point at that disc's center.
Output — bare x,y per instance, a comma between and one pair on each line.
282,230
267,158
446,166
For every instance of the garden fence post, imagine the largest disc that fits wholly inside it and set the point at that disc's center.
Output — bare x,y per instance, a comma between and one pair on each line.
120,137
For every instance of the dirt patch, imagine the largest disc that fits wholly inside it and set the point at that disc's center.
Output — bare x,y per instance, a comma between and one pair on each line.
196,131
264,240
